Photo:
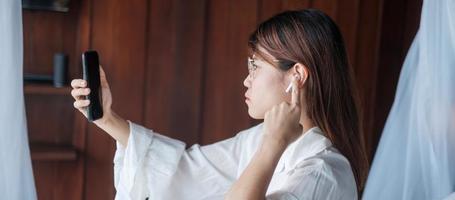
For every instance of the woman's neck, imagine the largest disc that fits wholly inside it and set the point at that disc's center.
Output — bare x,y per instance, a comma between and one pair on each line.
306,122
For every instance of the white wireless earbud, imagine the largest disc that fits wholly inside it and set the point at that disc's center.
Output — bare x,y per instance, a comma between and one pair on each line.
289,87
290,84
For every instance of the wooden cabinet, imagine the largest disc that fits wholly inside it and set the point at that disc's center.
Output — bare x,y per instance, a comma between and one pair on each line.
56,130
50,139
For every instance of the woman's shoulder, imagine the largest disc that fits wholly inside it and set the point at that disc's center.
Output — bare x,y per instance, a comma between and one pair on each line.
330,165
328,160
251,133
315,158
327,171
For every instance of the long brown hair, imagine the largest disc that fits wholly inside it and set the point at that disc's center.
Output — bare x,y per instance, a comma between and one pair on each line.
311,38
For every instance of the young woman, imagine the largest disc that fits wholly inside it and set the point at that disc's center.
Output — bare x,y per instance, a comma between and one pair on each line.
308,147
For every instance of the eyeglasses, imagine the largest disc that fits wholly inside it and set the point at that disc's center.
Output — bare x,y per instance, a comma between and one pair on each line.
283,64
251,67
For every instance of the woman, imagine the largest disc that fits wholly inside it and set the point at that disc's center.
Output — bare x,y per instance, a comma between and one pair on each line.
308,147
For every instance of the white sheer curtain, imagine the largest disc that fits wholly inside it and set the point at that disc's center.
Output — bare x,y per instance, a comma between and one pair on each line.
415,158
16,177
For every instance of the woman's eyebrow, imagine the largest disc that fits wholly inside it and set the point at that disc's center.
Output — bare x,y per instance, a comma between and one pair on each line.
272,62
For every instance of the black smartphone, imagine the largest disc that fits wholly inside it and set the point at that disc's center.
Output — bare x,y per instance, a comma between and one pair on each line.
91,74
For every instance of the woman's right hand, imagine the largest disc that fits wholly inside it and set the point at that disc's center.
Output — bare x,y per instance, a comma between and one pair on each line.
111,123
80,91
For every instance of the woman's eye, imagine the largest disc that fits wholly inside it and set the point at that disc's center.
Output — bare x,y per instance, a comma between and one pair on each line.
256,66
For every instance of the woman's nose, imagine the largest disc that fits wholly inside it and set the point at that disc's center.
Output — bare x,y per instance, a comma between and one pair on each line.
247,81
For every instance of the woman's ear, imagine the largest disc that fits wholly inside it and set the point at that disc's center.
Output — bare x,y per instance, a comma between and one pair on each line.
301,71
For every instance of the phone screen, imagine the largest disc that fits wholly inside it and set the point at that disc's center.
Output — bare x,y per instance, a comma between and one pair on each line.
91,73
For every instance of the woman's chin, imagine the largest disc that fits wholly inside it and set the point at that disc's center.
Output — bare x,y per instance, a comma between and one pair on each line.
254,115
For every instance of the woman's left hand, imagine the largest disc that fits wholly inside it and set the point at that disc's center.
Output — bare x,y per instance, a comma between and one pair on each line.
282,122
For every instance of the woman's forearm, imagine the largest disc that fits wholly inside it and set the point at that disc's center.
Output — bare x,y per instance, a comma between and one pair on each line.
117,127
254,181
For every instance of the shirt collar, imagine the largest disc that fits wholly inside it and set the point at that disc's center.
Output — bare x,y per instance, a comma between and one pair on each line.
307,145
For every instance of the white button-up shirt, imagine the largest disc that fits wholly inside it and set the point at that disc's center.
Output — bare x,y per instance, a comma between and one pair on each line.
156,167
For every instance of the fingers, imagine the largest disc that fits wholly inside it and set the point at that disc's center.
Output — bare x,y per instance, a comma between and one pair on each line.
295,96
79,89
81,104
78,83
79,93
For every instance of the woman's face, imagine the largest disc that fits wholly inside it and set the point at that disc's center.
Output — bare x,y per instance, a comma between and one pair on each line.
266,87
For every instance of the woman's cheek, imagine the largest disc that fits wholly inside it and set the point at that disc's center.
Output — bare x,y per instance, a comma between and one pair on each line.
256,102
262,103
265,93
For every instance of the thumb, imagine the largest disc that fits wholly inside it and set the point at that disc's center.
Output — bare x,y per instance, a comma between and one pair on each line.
103,79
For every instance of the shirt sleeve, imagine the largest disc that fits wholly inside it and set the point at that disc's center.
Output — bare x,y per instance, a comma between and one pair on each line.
315,179
130,179
159,167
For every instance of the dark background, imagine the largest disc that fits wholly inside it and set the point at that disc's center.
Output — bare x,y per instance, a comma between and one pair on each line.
177,66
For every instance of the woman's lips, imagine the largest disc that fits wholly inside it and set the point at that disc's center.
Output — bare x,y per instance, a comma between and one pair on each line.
247,98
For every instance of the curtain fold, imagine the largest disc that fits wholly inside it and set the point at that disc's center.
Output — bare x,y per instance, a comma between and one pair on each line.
16,175
415,158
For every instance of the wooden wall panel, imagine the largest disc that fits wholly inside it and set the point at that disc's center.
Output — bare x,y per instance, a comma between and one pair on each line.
173,84
118,34
224,110
399,26
366,58
346,15
332,7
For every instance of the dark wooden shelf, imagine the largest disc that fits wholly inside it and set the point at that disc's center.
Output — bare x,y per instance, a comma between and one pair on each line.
46,152
46,89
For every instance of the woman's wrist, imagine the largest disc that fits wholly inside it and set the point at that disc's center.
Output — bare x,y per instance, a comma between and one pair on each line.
274,142
271,148
107,120
117,127
254,181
